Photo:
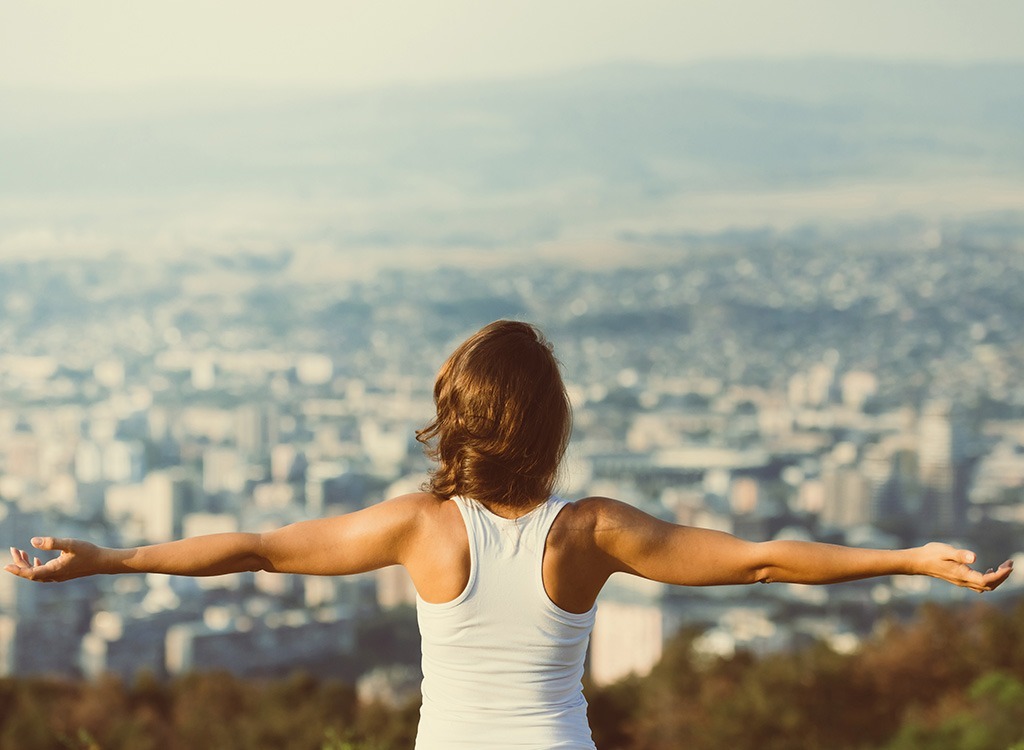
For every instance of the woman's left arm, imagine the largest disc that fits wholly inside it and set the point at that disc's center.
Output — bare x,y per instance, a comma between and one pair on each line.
814,562
632,541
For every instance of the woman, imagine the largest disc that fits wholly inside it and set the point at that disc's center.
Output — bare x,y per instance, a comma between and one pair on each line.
507,576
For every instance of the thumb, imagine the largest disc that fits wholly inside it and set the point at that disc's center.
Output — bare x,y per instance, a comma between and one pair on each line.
966,556
49,542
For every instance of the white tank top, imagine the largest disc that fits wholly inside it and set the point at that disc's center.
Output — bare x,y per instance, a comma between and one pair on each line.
503,664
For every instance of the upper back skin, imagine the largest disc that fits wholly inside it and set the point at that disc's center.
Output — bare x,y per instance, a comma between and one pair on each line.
574,569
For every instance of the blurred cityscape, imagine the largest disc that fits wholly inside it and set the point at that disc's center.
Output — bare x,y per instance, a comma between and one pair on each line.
858,384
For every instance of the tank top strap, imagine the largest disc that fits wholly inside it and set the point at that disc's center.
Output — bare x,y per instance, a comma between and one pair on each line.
490,532
546,513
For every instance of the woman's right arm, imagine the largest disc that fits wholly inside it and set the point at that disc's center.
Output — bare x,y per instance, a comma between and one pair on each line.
368,539
640,544
210,555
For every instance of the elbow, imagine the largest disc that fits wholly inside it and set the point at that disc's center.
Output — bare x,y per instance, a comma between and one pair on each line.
258,559
256,563
761,566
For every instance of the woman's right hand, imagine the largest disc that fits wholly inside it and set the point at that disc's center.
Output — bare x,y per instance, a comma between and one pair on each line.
77,559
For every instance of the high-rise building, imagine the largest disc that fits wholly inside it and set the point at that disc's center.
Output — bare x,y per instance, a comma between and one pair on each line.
88,462
941,450
168,496
846,496
256,429
223,470
877,467
287,463
123,461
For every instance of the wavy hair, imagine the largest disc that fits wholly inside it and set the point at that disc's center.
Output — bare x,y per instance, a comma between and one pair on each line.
503,419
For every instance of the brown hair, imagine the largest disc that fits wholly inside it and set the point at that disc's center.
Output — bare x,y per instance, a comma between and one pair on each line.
503,418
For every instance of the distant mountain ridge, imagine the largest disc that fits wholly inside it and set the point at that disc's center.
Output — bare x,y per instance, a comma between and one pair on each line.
706,125
605,157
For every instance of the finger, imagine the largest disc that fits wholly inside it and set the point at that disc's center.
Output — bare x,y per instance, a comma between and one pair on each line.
36,562
51,542
19,571
965,556
970,577
993,580
997,577
24,557
16,555
47,572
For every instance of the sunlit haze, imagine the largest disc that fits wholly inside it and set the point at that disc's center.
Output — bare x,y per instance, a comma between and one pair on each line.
317,43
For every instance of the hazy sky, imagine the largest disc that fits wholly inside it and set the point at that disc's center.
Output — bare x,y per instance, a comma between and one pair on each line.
69,44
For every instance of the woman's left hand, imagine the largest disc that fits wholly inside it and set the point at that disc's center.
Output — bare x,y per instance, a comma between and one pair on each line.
954,565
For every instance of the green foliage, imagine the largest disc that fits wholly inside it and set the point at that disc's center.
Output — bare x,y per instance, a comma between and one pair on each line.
197,711
908,688
993,719
611,711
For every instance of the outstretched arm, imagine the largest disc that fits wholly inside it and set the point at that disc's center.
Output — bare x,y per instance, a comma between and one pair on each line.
646,546
353,543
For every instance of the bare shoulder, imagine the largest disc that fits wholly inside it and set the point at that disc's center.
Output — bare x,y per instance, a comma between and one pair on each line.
428,517
611,534
575,520
437,551
413,503
590,520
416,509
599,514
582,551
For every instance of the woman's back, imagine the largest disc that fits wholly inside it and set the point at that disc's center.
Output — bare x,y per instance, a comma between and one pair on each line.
502,663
